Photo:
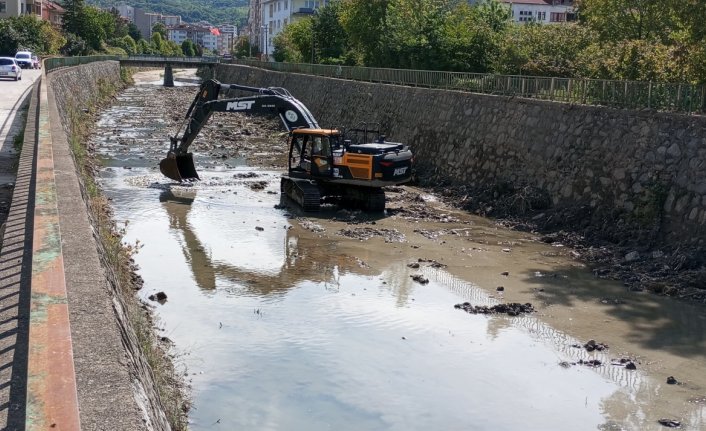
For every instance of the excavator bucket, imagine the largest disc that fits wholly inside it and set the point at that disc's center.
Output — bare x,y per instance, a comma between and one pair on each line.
179,168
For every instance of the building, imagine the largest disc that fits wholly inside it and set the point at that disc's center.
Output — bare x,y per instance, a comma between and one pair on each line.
53,13
229,34
144,21
127,12
205,37
276,14
10,8
542,11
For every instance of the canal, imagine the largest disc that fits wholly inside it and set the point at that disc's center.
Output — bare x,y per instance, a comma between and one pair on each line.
289,321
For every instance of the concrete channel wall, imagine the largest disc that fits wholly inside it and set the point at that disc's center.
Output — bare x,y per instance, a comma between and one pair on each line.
114,385
629,166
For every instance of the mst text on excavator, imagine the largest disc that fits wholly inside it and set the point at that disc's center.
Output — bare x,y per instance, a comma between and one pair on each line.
351,165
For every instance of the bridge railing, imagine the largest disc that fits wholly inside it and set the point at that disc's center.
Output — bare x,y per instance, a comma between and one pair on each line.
662,96
165,59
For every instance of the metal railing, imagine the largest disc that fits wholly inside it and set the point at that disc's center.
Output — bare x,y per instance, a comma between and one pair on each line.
662,96
57,62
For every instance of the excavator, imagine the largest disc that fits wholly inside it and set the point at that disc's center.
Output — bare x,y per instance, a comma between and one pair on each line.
323,163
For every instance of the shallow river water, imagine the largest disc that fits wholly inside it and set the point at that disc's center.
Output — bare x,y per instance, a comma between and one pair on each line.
283,323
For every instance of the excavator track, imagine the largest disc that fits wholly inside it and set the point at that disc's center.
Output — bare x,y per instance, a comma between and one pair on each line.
304,192
366,198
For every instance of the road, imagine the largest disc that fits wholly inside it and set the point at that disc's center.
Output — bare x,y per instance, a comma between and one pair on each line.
13,105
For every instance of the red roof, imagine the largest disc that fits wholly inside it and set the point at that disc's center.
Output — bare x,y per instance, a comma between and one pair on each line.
215,32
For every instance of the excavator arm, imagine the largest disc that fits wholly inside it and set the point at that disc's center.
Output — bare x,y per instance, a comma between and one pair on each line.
179,163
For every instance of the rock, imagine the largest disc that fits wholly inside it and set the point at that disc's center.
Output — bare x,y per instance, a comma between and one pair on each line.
413,265
632,256
159,297
510,308
505,273
669,423
671,380
419,279
506,250
500,288
630,366
259,228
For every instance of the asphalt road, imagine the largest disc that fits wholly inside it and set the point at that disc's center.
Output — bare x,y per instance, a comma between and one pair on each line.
13,99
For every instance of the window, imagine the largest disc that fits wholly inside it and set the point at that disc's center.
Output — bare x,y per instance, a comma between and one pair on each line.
272,9
557,17
2,7
286,5
541,16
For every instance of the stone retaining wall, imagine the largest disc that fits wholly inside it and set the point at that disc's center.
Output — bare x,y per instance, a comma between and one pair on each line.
116,389
628,167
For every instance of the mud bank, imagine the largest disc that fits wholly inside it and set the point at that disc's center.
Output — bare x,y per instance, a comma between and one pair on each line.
630,182
113,345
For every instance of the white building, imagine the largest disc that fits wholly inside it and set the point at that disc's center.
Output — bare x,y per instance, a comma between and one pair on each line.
541,11
276,14
9,8
205,37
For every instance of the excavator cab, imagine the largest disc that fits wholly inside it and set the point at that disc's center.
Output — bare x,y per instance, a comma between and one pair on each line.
311,152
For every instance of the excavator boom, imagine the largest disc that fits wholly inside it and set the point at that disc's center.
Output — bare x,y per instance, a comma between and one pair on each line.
179,163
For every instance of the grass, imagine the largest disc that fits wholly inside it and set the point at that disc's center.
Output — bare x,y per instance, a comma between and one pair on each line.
118,258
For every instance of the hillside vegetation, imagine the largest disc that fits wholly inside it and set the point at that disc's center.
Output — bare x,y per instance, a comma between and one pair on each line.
214,11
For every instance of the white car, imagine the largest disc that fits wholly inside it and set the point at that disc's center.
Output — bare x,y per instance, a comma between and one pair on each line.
24,59
10,69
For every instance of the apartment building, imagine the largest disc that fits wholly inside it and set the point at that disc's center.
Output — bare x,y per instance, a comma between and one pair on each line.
10,8
276,14
209,38
541,11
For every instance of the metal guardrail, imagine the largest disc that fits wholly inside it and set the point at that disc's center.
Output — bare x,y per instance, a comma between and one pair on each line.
57,62
662,96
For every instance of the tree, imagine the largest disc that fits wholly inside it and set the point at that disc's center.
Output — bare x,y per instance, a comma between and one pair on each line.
72,20
134,32
293,44
157,41
144,47
330,38
365,24
126,43
188,48
543,50
161,29
242,48
495,14
629,19
75,45
28,32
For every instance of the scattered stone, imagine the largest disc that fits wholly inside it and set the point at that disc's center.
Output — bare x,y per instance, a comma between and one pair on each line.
246,175
258,185
671,380
590,362
365,233
259,228
434,264
414,265
159,297
506,250
564,364
669,423
420,279
500,288
591,345
505,273
510,308
311,226
630,366
632,256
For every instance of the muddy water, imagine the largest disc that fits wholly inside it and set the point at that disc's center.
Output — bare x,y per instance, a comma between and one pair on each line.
285,322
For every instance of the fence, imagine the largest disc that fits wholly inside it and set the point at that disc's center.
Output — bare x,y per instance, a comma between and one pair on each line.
662,96
57,62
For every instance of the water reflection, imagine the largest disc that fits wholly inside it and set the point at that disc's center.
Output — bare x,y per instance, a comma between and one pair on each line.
303,259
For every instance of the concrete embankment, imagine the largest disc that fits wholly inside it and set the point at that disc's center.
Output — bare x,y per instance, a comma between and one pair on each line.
612,168
114,384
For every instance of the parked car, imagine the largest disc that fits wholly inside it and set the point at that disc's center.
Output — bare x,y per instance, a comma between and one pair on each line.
24,59
36,64
10,69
